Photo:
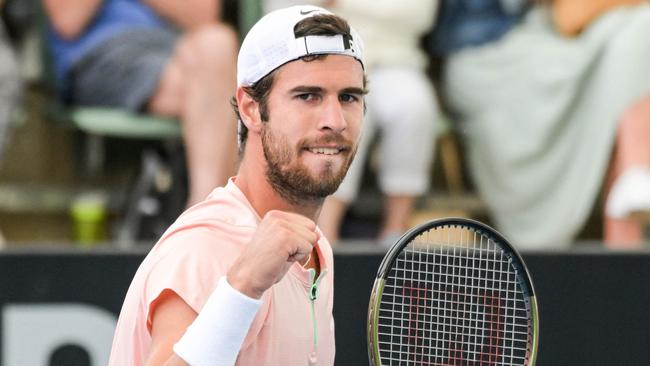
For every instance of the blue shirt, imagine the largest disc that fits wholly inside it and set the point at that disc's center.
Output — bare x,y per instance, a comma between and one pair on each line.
113,17
463,23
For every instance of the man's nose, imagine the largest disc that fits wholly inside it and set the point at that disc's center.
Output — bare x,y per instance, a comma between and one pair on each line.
332,116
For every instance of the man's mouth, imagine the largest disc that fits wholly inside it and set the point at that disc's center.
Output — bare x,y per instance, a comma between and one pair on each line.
324,150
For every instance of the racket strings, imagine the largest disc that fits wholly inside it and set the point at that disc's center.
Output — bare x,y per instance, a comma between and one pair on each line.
452,298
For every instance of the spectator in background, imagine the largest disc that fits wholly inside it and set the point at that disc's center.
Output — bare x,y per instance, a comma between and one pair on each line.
402,106
167,58
10,86
551,113
10,92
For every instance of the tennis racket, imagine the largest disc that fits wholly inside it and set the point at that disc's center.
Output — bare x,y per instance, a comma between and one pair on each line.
452,292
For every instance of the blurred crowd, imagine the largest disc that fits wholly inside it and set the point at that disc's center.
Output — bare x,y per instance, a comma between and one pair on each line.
550,100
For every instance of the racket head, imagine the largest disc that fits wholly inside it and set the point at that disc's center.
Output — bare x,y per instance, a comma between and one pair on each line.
489,325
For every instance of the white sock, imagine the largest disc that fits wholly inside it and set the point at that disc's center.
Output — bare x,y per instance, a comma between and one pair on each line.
630,193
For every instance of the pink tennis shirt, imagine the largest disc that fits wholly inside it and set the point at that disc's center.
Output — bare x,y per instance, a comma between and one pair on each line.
190,258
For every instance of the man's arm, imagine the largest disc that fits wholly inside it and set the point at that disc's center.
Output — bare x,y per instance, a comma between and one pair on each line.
70,17
187,14
215,335
171,317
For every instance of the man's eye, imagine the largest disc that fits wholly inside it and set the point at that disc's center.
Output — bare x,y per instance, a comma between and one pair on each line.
307,96
348,98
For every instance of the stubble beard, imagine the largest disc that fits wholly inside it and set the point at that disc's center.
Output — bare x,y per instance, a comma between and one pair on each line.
292,180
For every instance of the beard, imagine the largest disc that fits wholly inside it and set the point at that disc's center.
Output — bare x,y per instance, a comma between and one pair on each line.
291,179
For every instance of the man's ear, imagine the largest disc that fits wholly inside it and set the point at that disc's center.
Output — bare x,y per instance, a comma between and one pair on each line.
249,110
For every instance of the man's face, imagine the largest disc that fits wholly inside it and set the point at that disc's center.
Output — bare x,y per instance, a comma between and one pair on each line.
315,114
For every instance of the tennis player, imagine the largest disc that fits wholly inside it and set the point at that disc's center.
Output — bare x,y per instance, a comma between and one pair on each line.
245,277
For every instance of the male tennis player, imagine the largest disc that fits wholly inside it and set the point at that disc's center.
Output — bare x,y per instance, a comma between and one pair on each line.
245,277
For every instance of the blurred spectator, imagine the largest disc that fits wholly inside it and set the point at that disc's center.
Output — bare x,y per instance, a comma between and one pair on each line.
10,92
551,113
168,58
401,106
10,87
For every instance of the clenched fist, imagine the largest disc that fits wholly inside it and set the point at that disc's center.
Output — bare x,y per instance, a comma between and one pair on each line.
281,239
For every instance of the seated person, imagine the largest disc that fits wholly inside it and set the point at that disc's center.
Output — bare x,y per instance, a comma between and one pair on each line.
10,88
550,119
10,94
167,58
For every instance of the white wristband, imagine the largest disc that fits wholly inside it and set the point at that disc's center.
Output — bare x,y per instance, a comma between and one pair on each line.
216,335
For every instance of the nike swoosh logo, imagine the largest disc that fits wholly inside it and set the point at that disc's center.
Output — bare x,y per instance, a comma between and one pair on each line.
303,12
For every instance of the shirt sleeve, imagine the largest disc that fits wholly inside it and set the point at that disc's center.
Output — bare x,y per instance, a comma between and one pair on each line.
190,264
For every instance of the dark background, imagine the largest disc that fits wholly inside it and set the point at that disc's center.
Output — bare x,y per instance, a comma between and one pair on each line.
594,305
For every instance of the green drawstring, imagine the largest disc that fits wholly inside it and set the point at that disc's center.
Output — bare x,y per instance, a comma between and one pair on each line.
313,294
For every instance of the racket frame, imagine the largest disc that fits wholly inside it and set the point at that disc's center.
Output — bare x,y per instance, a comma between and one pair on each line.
390,257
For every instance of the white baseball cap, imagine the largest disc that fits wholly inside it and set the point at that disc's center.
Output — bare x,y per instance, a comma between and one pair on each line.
271,43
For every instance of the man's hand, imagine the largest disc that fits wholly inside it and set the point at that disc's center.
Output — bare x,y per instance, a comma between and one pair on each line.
281,239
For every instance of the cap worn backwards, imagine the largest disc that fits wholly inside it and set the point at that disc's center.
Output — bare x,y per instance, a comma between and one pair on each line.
272,43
